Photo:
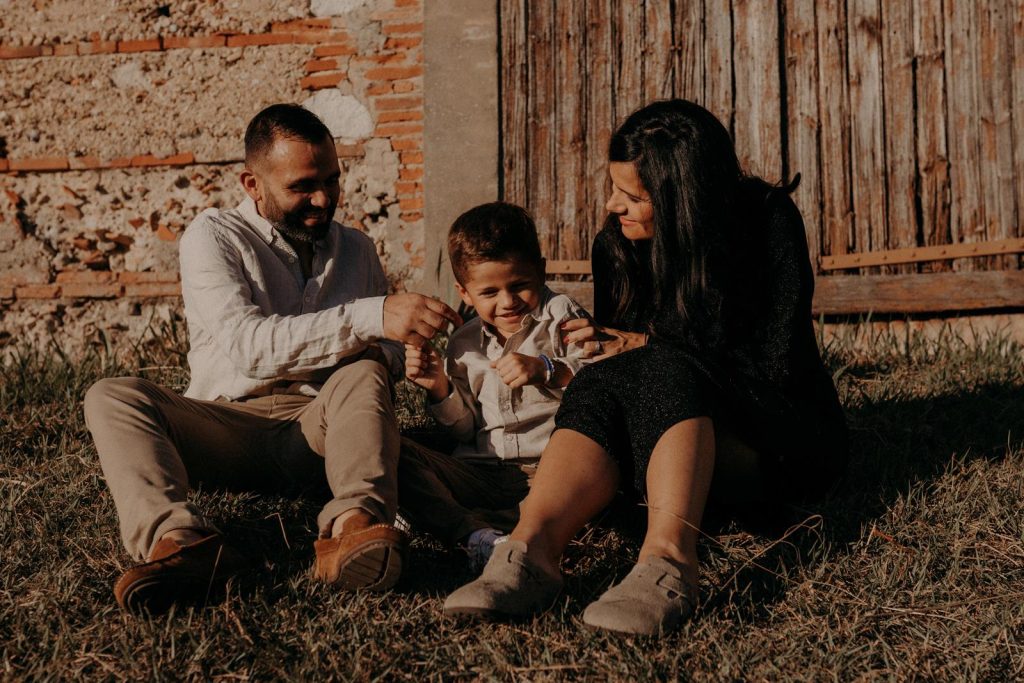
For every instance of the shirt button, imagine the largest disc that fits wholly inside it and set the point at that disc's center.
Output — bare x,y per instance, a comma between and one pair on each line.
291,259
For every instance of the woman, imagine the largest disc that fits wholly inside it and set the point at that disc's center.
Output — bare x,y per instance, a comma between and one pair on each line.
711,370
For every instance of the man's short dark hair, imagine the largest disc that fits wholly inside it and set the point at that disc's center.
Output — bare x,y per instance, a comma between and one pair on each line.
277,121
493,232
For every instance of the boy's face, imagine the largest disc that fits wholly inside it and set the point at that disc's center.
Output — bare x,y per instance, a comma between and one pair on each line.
503,292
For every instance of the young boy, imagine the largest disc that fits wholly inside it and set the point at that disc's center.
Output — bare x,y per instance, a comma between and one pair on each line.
498,387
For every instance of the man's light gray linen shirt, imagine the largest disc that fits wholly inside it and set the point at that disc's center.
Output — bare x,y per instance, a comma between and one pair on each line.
256,325
491,420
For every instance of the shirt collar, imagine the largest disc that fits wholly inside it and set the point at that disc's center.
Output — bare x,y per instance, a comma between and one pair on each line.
540,313
248,211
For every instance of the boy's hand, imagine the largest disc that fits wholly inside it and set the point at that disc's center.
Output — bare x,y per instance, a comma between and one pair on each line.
517,370
423,368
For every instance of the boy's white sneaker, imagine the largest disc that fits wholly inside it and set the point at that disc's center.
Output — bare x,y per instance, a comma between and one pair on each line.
480,545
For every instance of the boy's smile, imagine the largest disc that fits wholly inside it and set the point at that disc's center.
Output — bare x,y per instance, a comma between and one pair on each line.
502,292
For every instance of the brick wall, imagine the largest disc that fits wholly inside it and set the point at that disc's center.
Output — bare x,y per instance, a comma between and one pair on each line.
119,125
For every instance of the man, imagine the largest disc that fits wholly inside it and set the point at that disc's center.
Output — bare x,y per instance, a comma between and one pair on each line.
292,353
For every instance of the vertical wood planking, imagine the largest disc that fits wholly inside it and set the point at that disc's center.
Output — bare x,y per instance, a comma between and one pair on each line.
629,91
543,201
514,88
867,141
688,36
758,97
833,107
803,120
599,115
931,155
898,88
1017,106
719,90
967,219
995,43
658,61
566,240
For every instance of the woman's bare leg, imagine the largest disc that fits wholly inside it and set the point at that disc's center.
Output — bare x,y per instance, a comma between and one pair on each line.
575,480
678,479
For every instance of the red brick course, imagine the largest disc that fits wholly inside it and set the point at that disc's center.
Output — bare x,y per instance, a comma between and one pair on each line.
398,102
393,73
153,289
38,164
37,292
22,52
97,47
333,50
390,116
322,80
85,290
139,45
81,277
405,42
131,277
183,159
244,40
314,65
179,42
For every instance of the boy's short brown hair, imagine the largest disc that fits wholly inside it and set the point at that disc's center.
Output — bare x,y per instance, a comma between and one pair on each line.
497,231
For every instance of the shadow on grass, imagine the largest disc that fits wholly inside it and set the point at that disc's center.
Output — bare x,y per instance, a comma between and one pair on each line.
895,445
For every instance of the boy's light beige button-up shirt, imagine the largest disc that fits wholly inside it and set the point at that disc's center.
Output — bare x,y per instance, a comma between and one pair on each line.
256,325
491,420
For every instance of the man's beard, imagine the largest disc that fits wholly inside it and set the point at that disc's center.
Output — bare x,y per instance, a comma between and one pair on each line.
293,230
290,225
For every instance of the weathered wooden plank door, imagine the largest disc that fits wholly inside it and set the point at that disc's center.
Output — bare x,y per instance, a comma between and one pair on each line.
904,117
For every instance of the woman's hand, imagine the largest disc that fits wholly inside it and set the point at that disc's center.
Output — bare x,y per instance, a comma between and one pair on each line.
423,368
600,342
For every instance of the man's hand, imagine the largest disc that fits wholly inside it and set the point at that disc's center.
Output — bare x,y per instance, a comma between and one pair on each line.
415,319
599,342
423,368
517,370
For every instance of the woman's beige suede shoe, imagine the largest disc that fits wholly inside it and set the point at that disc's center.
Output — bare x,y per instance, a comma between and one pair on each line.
511,586
653,599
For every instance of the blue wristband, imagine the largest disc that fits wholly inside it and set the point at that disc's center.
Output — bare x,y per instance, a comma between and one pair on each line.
549,369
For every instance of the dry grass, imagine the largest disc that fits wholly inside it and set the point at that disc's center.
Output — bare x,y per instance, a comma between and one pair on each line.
913,569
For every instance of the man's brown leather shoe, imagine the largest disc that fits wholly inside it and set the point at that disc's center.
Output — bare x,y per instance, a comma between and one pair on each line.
175,573
366,555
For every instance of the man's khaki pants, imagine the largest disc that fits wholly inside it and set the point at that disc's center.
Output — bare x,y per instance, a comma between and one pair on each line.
154,445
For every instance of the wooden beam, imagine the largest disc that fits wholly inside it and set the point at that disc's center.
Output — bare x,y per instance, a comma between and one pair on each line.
568,267
921,293
921,254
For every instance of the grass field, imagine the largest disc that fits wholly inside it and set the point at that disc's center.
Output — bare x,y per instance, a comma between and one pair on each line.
913,569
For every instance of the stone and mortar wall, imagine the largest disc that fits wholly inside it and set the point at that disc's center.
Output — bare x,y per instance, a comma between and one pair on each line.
121,123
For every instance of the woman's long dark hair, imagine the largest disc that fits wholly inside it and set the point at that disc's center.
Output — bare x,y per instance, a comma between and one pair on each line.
686,162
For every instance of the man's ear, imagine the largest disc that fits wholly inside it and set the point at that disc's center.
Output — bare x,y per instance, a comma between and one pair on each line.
251,185
463,294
